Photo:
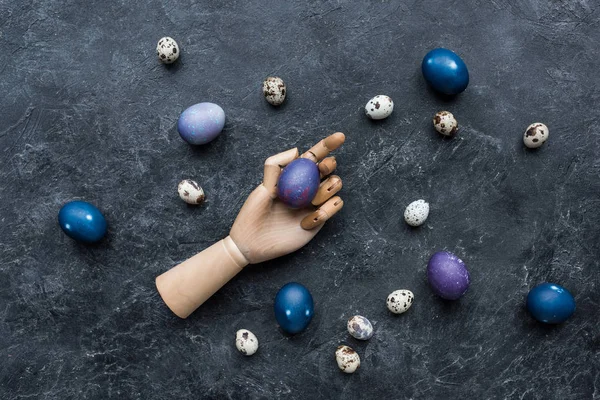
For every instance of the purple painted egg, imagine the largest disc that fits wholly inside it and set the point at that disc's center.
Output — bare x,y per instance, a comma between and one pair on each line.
201,123
448,276
298,183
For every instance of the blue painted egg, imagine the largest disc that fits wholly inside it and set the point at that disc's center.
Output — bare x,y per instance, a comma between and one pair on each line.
201,123
293,307
82,221
550,303
298,183
445,71
448,275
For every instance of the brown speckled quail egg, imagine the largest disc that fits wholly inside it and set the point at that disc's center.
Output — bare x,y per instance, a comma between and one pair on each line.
379,107
190,192
399,301
347,359
167,50
416,213
274,90
360,328
535,135
445,123
246,342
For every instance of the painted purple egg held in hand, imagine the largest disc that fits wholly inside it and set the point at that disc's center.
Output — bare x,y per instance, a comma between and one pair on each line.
298,183
448,276
201,123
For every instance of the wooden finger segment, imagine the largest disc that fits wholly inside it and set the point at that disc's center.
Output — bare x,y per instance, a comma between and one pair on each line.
328,188
327,166
273,166
324,147
323,213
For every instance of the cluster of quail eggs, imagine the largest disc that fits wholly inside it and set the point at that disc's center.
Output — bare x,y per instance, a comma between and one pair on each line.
360,328
535,135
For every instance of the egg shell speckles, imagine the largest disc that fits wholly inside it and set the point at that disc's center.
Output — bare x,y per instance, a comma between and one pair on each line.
399,301
416,213
347,359
274,90
360,328
379,107
535,135
298,183
246,342
190,192
448,275
445,123
167,50
201,123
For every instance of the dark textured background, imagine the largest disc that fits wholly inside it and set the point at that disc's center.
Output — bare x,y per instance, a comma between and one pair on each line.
89,113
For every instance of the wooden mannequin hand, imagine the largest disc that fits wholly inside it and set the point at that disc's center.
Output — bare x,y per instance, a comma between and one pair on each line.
265,228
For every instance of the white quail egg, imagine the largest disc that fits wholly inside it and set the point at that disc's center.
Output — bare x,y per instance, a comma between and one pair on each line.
399,301
246,342
274,90
347,359
190,192
416,213
379,107
445,123
167,50
360,328
535,135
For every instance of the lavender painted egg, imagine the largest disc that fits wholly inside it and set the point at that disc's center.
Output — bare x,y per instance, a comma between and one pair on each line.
448,276
298,183
201,123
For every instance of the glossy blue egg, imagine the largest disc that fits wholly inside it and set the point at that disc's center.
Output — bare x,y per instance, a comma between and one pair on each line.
201,123
298,183
82,221
445,71
550,303
293,307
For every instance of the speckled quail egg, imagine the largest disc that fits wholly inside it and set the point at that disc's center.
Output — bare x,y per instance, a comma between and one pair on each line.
190,192
445,123
535,135
399,301
360,328
379,107
274,90
167,50
416,213
246,342
347,359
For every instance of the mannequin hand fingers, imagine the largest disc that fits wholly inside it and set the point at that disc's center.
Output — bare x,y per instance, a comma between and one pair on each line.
328,188
327,166
322,149
273,166
323,213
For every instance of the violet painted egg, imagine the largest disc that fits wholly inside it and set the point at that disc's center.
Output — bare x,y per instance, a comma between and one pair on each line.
298,183
201,123
448,276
